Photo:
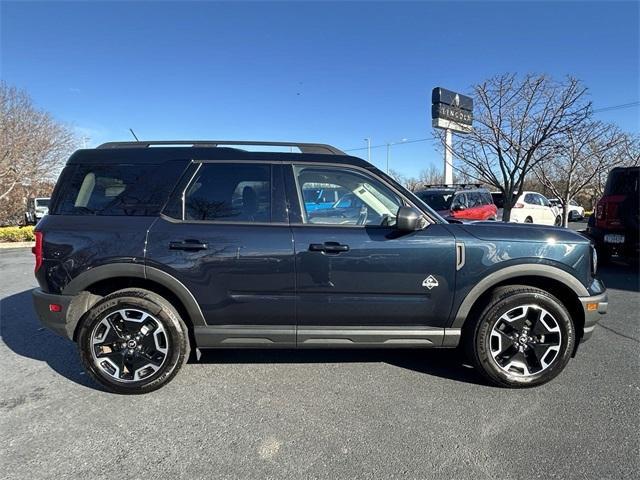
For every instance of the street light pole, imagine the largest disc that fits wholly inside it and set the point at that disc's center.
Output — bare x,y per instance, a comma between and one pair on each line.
388,149
368,140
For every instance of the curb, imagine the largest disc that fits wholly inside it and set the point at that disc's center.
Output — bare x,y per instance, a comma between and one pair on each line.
8,245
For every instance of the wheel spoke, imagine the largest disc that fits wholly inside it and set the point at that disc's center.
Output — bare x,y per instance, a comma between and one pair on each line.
113,359
541,352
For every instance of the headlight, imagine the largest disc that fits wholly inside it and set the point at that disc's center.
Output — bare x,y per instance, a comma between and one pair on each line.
594,260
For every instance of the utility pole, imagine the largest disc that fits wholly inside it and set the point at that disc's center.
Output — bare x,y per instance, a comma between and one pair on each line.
368,140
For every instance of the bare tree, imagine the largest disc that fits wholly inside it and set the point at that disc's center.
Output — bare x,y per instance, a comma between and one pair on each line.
33,145
516,123
581,155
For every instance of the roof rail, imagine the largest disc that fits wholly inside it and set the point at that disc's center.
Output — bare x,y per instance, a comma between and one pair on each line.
454,185
304,147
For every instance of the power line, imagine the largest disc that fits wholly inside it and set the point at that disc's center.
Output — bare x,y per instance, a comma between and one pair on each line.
617,107
383,145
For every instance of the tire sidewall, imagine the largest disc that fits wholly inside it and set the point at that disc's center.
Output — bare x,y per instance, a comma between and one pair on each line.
176,339
491,317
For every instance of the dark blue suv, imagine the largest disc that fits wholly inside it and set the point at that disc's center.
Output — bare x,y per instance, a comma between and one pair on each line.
154,250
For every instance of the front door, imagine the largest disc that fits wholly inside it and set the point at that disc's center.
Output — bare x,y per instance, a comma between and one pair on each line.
359,280
226,238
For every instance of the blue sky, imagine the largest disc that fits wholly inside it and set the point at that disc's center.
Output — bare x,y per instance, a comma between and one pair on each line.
326,72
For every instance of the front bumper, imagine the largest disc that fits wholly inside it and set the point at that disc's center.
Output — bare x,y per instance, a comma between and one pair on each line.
594,307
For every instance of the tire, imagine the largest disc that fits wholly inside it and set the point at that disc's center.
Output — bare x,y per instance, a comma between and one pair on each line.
558,221
528,220
125,358
520,362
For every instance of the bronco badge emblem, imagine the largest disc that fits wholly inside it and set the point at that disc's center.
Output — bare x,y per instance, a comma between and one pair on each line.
430,282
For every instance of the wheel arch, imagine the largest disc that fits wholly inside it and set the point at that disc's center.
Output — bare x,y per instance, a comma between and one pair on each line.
562,285
100,281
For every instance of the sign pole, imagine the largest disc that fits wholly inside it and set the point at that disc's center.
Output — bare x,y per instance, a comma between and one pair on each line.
448,157
451,112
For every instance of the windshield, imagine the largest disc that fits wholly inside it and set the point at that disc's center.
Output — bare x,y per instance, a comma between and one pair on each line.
437,200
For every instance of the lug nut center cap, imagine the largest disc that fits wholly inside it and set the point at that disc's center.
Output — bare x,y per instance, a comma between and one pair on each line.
523,339
131,344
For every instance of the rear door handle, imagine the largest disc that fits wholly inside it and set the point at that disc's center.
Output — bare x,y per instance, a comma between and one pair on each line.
189,245
328,247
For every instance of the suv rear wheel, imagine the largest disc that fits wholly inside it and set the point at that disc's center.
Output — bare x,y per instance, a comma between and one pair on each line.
524,337
133,341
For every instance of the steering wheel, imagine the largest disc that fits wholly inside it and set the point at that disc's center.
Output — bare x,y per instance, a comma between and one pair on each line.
362,218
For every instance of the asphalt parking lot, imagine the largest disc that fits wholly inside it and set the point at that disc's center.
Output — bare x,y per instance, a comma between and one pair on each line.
318,414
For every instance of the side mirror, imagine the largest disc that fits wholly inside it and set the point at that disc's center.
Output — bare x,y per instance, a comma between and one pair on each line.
408,219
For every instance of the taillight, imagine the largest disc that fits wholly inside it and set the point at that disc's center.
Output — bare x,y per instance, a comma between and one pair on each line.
37,250
612,215
519,205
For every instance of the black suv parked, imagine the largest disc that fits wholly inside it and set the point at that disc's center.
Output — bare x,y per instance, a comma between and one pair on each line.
151,251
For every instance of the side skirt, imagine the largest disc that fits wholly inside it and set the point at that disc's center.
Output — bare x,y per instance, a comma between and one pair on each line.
288,336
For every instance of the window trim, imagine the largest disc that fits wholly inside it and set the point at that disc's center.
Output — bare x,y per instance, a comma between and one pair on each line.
365,172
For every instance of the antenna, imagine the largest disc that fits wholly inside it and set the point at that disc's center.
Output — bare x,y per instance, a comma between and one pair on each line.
134,135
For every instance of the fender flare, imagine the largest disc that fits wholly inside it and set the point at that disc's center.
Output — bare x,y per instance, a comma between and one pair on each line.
139,271
514,271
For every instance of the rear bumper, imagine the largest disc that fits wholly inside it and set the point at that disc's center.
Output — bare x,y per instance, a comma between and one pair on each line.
594,307
55,321
73,307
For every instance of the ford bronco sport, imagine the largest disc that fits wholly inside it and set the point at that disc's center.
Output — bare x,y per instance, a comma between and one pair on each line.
615,227
153,250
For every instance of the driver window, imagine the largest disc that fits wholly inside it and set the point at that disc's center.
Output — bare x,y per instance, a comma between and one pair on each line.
340,196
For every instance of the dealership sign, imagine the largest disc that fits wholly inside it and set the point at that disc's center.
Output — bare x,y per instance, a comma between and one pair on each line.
451,110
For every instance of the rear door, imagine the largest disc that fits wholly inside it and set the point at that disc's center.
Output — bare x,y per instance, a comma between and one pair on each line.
225,235
359,280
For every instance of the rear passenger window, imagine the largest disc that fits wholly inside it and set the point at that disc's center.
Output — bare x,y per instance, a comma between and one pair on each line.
116,189
230,193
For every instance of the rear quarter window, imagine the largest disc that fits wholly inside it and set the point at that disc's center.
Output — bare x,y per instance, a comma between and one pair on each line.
116,189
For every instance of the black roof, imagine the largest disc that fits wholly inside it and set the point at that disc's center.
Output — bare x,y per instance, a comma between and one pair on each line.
141,152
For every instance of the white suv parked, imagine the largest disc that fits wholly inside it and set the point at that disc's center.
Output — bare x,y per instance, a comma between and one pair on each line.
533,207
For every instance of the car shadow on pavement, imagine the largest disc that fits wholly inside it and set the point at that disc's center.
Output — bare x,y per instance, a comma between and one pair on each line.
444,363
620,275
22,332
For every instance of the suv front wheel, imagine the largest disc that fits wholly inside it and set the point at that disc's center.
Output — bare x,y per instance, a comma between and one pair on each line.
133,341
524,337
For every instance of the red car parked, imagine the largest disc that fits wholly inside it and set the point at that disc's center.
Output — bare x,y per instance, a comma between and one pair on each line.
461,202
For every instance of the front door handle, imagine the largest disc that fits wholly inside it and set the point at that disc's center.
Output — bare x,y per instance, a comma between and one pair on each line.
328,247
189,245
